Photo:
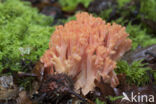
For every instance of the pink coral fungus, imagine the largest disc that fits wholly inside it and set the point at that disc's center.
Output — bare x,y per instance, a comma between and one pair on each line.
87,49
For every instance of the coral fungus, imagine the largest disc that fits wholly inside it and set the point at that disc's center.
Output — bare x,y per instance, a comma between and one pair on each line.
87,49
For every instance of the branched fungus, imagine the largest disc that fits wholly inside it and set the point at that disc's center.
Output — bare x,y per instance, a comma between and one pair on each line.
87,49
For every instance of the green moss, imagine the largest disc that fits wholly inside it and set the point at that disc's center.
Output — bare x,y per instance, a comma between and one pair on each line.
114,98
139,36
24,34
26,83
121,3
105,14
70,5
148,9
68,19
135,73
122,21
99,102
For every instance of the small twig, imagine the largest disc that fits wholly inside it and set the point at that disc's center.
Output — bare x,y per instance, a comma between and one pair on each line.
23,74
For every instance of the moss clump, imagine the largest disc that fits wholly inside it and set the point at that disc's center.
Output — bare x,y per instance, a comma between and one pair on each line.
135,73
99,102
26,83
105,14
70,5
148,9
139,36
24,34
122,3
114,98
68,19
